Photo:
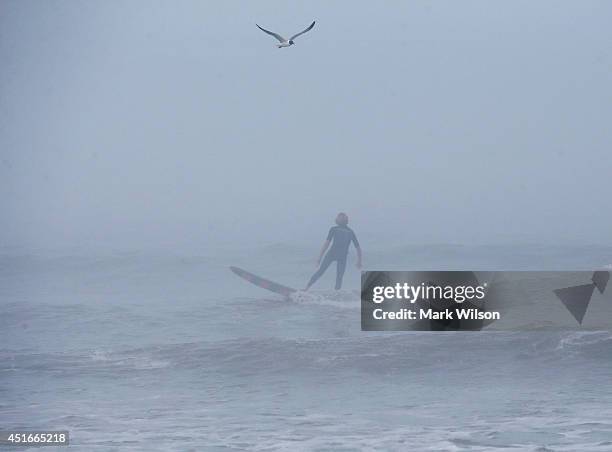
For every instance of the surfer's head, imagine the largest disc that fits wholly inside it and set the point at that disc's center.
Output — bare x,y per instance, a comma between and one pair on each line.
342,219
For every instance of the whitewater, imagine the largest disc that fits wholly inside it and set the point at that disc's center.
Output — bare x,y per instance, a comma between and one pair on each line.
156,351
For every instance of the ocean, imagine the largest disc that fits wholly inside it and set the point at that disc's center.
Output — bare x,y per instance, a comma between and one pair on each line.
160,351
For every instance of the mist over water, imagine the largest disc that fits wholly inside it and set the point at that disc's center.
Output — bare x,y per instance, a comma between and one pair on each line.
167,352
147,146
132,125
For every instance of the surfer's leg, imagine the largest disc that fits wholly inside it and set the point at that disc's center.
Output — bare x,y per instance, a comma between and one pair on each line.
340,267
327,260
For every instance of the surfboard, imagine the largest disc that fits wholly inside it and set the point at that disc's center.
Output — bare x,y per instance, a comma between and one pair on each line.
263,282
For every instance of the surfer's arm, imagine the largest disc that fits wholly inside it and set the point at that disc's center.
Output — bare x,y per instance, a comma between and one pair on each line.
323,249
330,236
358,249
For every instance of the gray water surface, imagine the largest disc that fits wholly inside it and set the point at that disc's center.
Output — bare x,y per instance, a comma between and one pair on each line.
172,353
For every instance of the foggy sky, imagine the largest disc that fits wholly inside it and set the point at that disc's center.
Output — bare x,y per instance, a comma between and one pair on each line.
178,124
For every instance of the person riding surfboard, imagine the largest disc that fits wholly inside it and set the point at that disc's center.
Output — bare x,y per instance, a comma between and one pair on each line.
340,237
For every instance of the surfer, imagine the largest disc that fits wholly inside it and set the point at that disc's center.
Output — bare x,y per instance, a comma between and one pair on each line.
340,237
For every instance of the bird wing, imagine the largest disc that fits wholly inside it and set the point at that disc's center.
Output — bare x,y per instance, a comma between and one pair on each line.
271,33
302,32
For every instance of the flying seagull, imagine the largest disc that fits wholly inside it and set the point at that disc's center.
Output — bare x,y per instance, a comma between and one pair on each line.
285,42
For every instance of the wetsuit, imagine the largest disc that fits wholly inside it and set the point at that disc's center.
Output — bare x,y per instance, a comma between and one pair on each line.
342,237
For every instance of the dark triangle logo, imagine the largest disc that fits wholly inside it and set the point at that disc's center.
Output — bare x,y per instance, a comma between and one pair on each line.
600,279
576,299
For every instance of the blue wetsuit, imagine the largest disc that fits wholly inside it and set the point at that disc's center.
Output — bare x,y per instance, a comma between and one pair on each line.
341,237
